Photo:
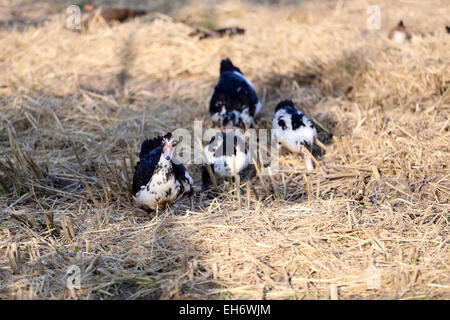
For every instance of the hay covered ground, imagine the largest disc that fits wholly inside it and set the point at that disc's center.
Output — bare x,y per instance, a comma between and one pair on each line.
75,106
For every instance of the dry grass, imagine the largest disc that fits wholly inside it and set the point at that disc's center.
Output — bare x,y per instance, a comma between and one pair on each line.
75,107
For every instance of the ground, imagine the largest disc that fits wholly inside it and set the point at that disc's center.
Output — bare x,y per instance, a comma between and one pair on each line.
370,222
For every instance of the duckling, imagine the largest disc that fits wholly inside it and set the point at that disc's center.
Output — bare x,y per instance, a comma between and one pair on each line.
234,100
294,130
158,182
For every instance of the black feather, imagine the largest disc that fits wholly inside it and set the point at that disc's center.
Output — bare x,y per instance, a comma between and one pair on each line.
227,65
283,104
149,145
206,178
282,124
296,119
226,146
168,136
144,169
224,149
234,93
149,156
296,116
179,171
307,145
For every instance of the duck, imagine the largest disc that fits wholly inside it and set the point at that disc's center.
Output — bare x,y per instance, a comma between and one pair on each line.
159,182
113,14
218,153
217,33
293,130
399,33
234,101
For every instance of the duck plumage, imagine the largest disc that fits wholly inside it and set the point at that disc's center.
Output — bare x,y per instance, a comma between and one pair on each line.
219,155
158,181
399,33
293,129
234,100
217,33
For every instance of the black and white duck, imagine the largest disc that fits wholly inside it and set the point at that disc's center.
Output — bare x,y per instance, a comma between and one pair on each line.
294,130
234,100
217,33
219,155
158,182
399,33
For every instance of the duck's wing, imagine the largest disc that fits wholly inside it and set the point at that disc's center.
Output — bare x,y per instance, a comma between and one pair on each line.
182,175
219,100
150,145
235,91
145,168
149,156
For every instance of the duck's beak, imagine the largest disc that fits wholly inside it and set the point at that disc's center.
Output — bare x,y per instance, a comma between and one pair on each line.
88,7
168,150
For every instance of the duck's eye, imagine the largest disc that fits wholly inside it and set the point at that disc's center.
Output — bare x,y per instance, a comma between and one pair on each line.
174,143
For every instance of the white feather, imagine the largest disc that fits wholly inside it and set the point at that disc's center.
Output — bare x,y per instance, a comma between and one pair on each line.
289,138
156,190
399,36
246,80
223,164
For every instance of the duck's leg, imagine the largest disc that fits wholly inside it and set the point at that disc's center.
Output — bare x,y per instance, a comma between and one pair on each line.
308,162
307,156
191,200
206,179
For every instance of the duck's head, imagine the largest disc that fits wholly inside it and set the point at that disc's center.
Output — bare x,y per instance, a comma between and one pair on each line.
229,121
88,7
227,65
168,145
399,33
